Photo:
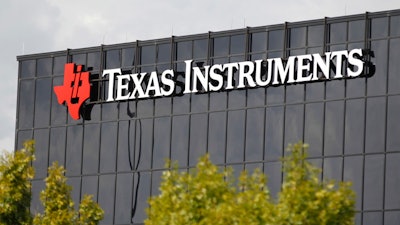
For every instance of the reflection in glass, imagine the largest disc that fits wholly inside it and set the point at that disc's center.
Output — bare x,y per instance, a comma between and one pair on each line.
93,60
57,145
113,59
58,67
315,35
180,139
141,199
294,124
275,40
338,32
105,198
74,150
200,49
238,44
356,30
298,37
161,141
123,199
164,53
353,172
128,57
184,50
377,83
148,55
221,46
235,136
259,42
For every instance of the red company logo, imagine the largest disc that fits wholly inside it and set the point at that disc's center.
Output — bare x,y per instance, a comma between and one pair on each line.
75,90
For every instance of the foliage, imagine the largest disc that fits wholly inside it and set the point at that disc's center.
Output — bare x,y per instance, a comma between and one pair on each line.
15,196
58,204
208,195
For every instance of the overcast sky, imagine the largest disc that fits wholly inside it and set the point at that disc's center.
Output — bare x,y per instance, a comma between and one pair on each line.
37,26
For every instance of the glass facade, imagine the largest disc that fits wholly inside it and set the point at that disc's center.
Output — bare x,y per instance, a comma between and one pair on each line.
117,151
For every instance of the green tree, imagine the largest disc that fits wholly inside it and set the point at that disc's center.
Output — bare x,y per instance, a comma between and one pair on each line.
208,195
15,196
58,204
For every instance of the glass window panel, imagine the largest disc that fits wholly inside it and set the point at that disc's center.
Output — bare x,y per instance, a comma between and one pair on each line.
42,102
93,60
371,218
373,182
333,169
237,99
109,111
91,148
394,66
295,93
238,44
26,98
57,145
218,100
113,59
36,204
79,59
392,218
126,110
294,124
27,68
314,121
315,35
162,127
298,37
355,87
354,127
254,134
199,102
356,30
145,107
377,83
163,106
23,136
333,128
127,143
235,136
395,26
144,137
155,182
393,126
75,183
221,46
274,133
128,57
74,150
41,137
273,171
58,112
379,27
108,151
123,199
141,199
259,42
392,181
275,40
180,139
353,172
315,91
375,125
58,67
275,95
254,57
338,32
200,49
89,186
106,199
198,137
148,55
184,50
44,67
255,97
164,53
217,137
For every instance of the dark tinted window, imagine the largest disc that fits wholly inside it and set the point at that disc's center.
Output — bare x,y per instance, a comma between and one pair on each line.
44,67
27,68
259,42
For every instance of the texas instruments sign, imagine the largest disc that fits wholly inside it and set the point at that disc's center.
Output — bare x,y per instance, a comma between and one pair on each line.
212,78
